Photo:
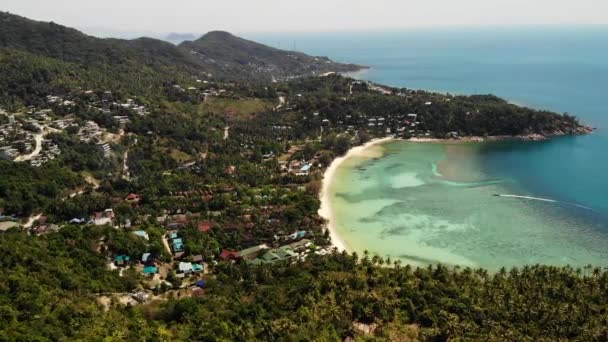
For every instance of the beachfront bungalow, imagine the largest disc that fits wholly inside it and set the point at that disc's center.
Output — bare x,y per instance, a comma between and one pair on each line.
297,235
303,245
304,170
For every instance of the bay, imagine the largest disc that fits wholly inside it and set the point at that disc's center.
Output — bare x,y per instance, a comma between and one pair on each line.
408,211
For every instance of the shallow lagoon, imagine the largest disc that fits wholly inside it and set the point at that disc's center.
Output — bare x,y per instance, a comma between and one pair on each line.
430,202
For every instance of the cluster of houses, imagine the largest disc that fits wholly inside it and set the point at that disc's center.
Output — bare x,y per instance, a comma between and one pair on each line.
104,102
14,139
262,254
186,269
19,141
400,125
129,104
204,93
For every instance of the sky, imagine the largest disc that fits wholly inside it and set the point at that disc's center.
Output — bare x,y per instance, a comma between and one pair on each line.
248,16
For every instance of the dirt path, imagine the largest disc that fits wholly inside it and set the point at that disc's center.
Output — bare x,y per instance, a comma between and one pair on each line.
37,149
281,102
125,168
31,220
166,244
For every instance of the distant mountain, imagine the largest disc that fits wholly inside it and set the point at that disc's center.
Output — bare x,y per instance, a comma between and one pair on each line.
37,56
177,38
233,54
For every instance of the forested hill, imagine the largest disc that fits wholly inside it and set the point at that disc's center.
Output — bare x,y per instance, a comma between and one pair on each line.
72,46
232,54
37,57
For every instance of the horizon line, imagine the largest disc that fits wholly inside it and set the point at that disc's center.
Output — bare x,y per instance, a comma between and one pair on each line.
107,32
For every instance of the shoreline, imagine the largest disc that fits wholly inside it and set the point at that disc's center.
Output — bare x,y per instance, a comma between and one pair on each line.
490,138
325,210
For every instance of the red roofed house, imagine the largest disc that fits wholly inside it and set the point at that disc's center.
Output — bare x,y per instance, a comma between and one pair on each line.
205,226
229,255
133,198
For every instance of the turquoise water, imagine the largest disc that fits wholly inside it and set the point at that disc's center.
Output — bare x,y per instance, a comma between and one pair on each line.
562,69
435,203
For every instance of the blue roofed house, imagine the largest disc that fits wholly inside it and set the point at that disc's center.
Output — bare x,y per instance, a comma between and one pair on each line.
297,235
196,268
178,245
150,270
122,260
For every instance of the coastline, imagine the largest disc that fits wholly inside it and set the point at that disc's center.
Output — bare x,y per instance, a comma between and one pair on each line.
523,137
325,211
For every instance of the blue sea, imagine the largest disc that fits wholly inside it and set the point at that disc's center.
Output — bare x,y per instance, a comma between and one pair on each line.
560,69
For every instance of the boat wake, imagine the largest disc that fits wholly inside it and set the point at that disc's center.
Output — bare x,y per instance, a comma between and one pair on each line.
543,200
471,184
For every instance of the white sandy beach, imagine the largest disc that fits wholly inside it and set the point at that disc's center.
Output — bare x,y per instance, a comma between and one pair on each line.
325,211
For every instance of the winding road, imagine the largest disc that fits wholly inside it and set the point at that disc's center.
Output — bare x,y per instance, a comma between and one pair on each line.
38,138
